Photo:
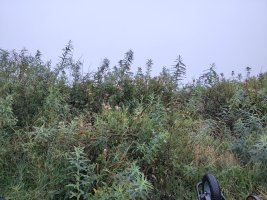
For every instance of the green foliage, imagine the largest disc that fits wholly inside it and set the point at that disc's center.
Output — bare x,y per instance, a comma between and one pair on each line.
179,71
64,134
7,118
128,184
80,172
54,109
259,150
210,78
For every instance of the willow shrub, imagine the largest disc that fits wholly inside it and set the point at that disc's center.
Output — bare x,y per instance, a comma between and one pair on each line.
128,137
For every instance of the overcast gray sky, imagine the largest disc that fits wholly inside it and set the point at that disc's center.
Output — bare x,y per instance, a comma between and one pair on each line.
230,33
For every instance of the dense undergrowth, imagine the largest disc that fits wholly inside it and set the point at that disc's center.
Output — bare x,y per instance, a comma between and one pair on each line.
120,135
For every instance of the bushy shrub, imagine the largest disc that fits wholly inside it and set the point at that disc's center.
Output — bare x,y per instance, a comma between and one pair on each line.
111,134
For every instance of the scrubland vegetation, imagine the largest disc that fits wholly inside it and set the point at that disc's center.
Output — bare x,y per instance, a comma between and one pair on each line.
131,135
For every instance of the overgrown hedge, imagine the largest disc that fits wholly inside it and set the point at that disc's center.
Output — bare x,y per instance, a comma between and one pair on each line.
115,134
